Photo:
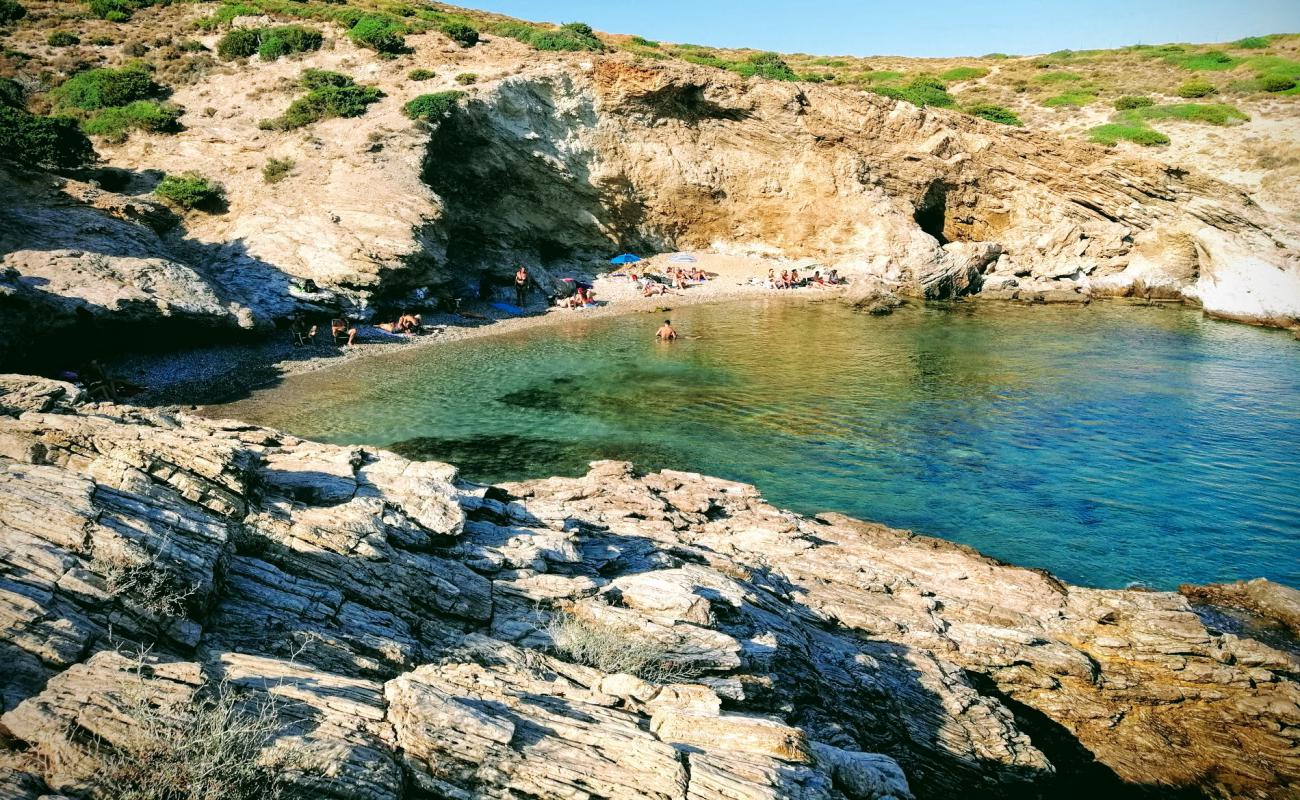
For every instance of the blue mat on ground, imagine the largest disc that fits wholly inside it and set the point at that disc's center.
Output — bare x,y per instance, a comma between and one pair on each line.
509,309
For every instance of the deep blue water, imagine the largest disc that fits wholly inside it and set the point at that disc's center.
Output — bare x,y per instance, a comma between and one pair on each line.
1113,445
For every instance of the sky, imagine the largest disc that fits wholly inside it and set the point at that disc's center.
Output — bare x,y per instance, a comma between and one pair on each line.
917,27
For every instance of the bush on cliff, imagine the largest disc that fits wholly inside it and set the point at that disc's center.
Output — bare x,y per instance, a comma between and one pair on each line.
381,34
572,36
114,124
238,43
921,91
992,113
11,10
191,190
421,74
330,94
460,33
11,93
32,140
105,88
430,107
767,65
286,40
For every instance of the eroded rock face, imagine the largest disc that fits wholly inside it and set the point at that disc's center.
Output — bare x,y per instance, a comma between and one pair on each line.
410,630
558,160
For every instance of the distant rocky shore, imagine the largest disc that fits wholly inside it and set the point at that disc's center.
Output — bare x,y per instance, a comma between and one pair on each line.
400,633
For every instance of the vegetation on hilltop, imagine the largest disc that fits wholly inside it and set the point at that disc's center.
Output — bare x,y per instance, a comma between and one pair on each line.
85,78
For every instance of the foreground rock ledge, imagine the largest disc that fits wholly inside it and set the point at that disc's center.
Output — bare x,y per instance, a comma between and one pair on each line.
408,620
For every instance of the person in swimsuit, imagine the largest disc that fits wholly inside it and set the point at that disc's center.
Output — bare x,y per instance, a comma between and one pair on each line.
521,286
666,332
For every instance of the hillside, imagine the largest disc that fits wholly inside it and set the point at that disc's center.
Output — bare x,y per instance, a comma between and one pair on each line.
396,155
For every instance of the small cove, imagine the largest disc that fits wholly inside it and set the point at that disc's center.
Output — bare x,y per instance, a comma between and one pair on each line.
1112,445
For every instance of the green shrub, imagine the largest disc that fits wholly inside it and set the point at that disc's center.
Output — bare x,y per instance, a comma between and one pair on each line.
1208,61
921,91
190,190
466,78
1277,83
992,113
381,34
11,10
113,124
102,41
277,169
119,10
958,74
1070,99
1197,87
287,39
573,36
1057,77
1130,101
1252,43
320,78
770,66
324,102
460,33
421,74
1206,113
11,93
1113,133
62,39
44,141
105,88
997,56
432,106
640,42
239,43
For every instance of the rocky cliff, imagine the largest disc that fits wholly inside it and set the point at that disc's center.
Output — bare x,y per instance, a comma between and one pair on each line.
560,159
616,635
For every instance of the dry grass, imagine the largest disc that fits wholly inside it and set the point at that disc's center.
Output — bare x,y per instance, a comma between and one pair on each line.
137,579
611,650
210,747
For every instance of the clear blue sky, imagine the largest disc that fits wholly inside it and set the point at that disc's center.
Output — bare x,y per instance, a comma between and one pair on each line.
918,27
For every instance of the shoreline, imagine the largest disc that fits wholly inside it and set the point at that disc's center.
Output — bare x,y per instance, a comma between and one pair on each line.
219,374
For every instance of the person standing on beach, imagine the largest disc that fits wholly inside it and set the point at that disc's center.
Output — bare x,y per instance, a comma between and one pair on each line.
666,332
521,286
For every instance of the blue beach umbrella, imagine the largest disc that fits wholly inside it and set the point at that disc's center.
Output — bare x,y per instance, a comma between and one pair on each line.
626,258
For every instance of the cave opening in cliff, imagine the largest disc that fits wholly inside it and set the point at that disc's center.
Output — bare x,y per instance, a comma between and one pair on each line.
516,183
932,211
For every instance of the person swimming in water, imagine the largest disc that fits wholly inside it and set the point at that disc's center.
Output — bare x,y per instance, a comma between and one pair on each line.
666,332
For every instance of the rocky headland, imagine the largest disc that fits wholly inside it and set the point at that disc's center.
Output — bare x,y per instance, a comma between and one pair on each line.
418,636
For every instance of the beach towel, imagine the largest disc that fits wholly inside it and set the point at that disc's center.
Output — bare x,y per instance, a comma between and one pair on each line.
508,308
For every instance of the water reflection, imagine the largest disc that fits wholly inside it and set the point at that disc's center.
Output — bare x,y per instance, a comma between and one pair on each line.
1110,444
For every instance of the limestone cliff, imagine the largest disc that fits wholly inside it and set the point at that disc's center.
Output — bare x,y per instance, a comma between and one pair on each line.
560,159
417,629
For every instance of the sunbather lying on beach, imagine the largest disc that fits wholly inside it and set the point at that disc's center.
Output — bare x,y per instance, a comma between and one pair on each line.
653,288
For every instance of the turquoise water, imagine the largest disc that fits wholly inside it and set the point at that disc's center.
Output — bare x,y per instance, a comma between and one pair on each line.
1113,445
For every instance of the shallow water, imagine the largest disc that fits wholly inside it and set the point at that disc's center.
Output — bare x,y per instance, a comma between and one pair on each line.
1111,444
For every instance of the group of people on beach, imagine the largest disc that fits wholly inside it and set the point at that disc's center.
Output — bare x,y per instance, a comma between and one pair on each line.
790,279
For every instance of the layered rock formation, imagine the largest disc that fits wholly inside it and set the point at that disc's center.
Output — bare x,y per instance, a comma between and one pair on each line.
419,636
562,159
